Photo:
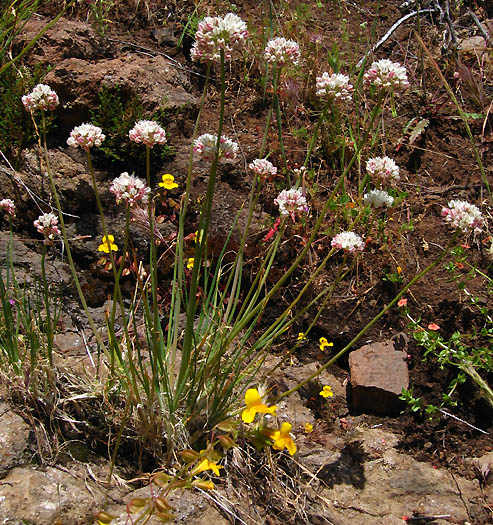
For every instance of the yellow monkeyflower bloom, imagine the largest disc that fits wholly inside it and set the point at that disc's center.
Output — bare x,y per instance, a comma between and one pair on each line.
301,336
308,428
254,406
327,392
282,439
108,245
205,464
324,344
190,263
399,270
168,182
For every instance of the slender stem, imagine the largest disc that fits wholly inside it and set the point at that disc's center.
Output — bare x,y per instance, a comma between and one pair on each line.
46,296
382,312
277,107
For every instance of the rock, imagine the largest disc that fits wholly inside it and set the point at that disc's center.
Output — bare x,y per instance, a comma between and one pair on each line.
14,439
378,375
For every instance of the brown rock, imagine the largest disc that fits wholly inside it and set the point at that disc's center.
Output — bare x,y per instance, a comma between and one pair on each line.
378,375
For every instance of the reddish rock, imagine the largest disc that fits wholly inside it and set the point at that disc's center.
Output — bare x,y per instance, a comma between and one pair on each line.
378,375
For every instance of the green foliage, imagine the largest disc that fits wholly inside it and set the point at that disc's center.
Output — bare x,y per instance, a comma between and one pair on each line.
116,114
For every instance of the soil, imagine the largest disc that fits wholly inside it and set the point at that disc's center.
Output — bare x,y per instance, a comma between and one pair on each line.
439,165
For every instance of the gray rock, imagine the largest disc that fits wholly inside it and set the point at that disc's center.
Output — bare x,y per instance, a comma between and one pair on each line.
14,439
378,375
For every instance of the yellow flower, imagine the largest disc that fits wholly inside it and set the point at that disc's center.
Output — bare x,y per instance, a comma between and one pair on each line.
168,182
399,270
108,245
324,344
205,464
301,336
282,439
254,405
190,263
327,392
198,238
308,428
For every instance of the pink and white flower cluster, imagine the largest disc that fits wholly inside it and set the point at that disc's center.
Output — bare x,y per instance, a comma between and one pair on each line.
86,136
42,97
385,74
463,215
378,199
205,147
214,33
336,87
8,207
282,51
348,241
291,202
147,132
129,189
263,168
47,225
382,168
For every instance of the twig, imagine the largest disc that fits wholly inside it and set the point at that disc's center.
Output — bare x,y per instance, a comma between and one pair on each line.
480,26
390,31
462,421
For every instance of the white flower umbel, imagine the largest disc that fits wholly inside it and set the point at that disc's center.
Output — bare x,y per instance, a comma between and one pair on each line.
129,189
348,241
42,97
463,215
86,136
378,199
214,33
263,168
47,225
8,207
335,87
382,169
147,132
204,147
282,51
385,74
291,202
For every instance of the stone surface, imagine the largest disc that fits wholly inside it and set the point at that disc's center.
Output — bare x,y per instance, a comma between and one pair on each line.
378,375
14,439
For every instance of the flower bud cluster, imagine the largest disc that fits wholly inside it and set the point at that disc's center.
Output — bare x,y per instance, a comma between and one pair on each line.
336,87
263,168
348,241
214,33
205,147
382,168
47,225
42,97
378,199
385,74
86,136
291,202
282,51
147,132
463,215
8,207
129,189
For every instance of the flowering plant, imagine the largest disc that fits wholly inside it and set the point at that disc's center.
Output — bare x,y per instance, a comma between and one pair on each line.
129,189
47,225
463,215
282,52
147,132
335,87
382,168
385,74
42,98
205,147
86,136
348,241
291,202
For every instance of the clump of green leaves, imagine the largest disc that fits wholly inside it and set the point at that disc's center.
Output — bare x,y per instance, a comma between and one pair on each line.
116,114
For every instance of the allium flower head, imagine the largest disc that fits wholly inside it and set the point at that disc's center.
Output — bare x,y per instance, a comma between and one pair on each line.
378,199
336,87
42,97
348,241
291,202
386,74
47,225
263,168
463,215
214,33
147,132
205,147
282,51
129,189
8,207
86,136
382,168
